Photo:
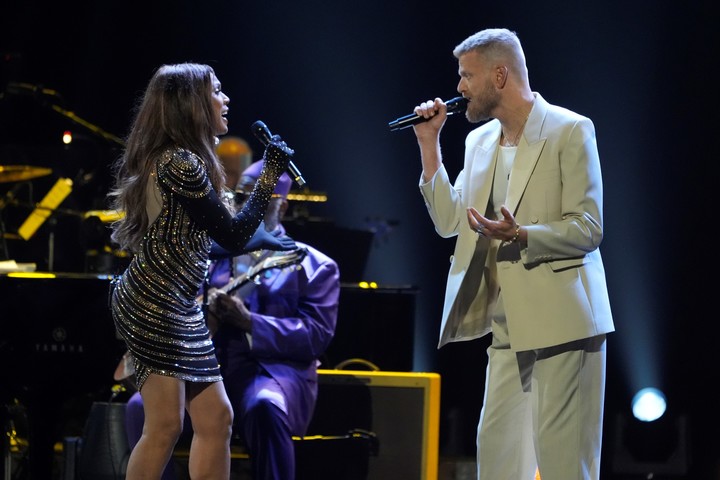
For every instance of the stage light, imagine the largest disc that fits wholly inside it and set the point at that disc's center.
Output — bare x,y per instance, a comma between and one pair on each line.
653,441
648,404
67,137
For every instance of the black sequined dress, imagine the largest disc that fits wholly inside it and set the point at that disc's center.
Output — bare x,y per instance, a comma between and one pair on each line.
154,303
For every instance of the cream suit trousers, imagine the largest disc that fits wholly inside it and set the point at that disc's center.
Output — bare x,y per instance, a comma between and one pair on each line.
542,408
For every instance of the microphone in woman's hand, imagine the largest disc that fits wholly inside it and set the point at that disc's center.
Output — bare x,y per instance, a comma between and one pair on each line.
262,132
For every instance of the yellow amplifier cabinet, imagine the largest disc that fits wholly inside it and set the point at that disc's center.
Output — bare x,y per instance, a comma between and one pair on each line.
404,414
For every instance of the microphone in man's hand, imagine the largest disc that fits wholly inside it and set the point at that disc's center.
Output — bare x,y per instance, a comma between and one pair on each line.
262,132
455,105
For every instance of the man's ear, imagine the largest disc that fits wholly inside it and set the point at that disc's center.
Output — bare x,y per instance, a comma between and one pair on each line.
501,75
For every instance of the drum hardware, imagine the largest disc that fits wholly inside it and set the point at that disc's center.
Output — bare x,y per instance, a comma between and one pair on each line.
8,199
17,445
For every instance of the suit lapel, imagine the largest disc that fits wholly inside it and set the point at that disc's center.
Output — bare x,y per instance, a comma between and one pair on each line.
527,155
482,168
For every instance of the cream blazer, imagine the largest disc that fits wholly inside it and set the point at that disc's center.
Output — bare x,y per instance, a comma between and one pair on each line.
556,292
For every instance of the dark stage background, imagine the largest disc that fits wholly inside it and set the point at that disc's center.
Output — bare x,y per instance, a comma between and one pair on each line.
329,76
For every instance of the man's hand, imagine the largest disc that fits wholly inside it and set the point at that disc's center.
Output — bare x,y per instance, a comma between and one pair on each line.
505,229
229,310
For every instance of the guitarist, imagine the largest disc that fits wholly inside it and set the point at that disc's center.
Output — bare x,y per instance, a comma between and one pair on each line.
269,338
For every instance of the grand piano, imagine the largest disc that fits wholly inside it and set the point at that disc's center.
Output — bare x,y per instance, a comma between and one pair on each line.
58,353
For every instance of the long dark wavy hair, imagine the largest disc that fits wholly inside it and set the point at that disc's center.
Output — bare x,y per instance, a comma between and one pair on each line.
175,111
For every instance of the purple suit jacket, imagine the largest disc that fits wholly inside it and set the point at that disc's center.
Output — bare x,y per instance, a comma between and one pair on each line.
294,313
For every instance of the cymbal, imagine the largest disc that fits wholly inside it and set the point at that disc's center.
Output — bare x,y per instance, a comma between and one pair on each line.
16,173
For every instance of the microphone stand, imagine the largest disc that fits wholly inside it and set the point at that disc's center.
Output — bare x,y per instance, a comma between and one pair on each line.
4,252
38,90
93,128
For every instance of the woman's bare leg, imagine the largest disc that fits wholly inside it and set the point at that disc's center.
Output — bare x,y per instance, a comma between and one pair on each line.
212,417
164,403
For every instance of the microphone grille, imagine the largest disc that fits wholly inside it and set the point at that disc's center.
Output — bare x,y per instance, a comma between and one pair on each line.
457,104
261,132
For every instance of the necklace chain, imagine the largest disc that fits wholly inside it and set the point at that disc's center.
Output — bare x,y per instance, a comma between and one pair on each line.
514,143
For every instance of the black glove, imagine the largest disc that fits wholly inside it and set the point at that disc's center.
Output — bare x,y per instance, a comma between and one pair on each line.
264,240
276,158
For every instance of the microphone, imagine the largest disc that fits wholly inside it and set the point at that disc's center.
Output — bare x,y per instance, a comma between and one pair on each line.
455,105
262,132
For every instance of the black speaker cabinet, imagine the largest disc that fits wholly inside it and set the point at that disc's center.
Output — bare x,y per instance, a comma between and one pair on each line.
59,350
375,324
104,451
402,409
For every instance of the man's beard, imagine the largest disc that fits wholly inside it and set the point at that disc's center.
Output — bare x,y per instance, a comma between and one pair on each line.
479,108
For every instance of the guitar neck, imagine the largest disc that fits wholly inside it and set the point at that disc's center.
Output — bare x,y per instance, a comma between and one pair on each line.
235,283
268,261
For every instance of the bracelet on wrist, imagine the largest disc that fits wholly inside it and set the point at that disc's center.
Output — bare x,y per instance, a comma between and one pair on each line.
516,237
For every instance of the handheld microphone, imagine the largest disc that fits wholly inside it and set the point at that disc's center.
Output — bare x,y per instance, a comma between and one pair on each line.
262,132
455,105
